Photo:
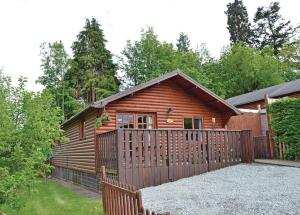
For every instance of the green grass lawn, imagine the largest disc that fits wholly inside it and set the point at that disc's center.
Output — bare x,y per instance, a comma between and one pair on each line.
52,198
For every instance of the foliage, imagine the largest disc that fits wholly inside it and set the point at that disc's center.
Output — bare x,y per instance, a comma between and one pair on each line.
92,73
149,58
183,43
290,55
238,23
102,120
285,122
29,127
55,64
243,69
51,198
239,70
271,30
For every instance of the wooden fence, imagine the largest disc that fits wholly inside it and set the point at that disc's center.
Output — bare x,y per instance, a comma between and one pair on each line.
146,158
261,147
122,199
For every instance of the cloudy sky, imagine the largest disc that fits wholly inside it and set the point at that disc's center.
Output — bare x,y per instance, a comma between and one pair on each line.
25,24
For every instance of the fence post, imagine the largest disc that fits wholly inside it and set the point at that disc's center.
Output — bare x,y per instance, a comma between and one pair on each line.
119,141
247,146
96,153
103,177
103,172
251,146
168,161
139,202
208,151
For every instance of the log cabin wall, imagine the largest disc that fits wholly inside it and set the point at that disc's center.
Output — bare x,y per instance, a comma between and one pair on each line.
158,99
253,105
75,159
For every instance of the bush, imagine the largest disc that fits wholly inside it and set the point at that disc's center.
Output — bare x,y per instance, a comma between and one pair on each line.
285,122
29,128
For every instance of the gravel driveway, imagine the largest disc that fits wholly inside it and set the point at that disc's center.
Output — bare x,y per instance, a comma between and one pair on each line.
240,189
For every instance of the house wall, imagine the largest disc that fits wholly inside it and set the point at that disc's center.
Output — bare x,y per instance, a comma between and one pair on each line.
75,159
157,99
253,105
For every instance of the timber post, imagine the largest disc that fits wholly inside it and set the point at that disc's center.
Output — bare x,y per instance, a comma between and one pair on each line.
247,146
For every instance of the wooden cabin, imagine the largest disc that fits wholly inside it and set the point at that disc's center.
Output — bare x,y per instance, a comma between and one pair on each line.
171,101
257,99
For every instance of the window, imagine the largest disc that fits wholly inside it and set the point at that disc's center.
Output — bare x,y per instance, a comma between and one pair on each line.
125,120
145,121
197,123
188,123
135,120
82,129
192,123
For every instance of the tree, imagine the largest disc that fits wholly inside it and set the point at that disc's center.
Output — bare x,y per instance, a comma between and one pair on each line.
183,43
55,64
290,55
244,69
271,30
238,22
92,73
149,58
29,127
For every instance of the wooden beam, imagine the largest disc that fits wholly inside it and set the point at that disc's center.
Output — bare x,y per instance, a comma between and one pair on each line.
270,133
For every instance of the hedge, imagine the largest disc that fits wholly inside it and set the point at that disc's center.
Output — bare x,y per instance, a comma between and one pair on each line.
285,122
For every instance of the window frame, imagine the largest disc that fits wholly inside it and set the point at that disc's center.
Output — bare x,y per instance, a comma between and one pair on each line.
124,113
82,124
193,122
135,118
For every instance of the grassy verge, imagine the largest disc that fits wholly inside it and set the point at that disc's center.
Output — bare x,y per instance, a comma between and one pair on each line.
51,198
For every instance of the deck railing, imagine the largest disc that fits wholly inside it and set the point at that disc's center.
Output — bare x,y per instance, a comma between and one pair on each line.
149,157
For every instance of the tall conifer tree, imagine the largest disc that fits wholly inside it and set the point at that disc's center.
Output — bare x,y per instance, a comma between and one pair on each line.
183,43
93,71
238,22
271,30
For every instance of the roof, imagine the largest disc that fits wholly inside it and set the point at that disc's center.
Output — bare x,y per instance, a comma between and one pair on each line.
272,92
175,74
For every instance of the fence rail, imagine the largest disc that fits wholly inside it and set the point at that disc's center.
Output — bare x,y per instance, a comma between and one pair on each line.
149,157
122,199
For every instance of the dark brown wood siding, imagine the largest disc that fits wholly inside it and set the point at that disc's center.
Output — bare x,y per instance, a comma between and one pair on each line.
157,99
253,105
77,153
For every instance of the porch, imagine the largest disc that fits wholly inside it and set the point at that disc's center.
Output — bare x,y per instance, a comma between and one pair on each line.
150,157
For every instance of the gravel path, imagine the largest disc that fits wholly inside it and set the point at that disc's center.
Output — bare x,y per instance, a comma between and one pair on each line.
240,189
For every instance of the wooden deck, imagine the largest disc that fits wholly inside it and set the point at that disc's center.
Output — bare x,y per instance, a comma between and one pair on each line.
150,157
278,162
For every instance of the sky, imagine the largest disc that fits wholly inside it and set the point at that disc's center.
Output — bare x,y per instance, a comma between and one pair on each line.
25,24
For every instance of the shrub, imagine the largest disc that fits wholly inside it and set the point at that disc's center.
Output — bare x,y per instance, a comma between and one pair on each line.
285,122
